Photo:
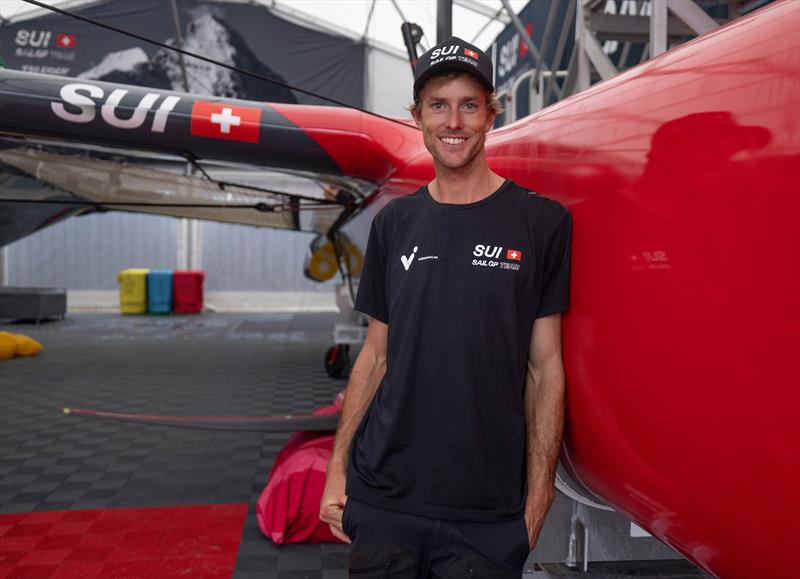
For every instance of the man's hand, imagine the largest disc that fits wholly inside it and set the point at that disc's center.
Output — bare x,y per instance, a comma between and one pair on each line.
366,376
332,506
536,507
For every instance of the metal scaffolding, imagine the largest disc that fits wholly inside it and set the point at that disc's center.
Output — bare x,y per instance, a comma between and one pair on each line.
608,36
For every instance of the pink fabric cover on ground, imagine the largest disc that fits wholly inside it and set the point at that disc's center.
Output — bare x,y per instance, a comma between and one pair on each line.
288,508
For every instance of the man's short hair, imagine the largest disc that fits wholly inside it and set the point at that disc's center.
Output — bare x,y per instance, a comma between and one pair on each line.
492,102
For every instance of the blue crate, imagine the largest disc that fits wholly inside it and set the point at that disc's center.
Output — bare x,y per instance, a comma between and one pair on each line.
159,291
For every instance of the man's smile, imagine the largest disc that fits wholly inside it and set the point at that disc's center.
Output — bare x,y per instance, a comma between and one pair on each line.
453,140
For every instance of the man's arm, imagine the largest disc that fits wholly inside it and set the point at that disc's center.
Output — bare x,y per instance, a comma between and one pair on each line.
365,377
544,414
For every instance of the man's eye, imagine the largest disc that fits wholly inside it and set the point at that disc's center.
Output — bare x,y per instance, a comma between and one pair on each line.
470,106
437,105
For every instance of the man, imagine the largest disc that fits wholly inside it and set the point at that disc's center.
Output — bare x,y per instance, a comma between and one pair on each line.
445,456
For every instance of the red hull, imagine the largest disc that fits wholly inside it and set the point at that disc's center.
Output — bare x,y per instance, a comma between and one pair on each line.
683,178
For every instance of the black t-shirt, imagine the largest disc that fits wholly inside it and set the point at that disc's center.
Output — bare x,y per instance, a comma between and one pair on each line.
459,286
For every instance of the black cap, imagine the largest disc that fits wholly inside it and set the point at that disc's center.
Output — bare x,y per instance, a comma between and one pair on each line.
454,54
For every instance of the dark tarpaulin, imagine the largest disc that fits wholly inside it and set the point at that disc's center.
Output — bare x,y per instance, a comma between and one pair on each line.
327,65
244,35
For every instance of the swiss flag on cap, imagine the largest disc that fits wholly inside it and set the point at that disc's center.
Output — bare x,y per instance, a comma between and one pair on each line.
226,121
514,254
65,40
471,53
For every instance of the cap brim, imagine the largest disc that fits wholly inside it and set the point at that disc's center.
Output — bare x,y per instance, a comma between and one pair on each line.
455,66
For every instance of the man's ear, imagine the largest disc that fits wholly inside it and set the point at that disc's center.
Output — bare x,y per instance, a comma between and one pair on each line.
490,121
415,114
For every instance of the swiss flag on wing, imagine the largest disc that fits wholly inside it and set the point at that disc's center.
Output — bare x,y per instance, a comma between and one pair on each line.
523,48
471,53
65,40
514,254
226,121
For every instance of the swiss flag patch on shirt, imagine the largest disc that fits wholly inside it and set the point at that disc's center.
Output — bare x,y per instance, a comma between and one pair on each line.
514,254
226,121
471,53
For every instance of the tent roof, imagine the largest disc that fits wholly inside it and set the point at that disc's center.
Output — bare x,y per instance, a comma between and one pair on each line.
376,21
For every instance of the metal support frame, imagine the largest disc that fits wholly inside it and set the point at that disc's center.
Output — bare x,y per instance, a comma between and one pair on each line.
444,20
190,237
412,34
483,10
404,19
657,24
589,50
572,74
623,57
179,41
536,86
369,20
552,85
658,28
190,244
182,260
598,58
694,16
578,555
579,77
636,28
555,6
195,244
486,24
550,76
399,11
4,265
511,112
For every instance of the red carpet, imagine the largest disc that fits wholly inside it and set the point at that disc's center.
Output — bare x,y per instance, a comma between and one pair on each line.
166,542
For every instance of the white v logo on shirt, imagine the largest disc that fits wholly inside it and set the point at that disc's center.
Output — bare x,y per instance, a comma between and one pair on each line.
407,260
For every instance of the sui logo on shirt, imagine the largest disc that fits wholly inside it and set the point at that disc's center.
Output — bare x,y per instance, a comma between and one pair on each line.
493,256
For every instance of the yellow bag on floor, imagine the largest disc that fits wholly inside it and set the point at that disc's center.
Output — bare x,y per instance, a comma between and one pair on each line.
8,346
27,346
17,344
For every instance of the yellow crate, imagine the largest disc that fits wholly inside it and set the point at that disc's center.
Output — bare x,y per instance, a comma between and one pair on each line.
133,291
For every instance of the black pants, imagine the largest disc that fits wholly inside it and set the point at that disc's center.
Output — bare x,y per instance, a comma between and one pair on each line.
399,545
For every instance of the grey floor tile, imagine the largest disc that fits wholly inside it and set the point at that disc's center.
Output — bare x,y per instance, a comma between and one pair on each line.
180,366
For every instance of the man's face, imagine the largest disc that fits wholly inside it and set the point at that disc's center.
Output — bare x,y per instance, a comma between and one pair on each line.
454,120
